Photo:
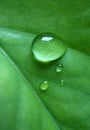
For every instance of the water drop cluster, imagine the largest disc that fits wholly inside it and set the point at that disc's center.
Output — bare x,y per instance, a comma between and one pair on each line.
46,48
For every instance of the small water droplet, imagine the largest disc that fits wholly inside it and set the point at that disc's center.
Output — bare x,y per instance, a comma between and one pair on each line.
47,47
59,68
62,82
44,86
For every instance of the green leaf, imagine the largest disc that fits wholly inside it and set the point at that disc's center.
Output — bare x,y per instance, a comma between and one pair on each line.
23,106
62,107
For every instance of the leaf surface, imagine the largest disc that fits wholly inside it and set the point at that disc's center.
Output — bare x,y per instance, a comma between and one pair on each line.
22,104
68,105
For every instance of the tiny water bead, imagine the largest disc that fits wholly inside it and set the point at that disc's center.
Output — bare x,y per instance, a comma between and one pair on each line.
47,47
44,86
62,82
59,68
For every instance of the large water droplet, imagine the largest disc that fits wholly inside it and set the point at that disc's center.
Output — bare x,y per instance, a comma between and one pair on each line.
59,68
44,86
47,47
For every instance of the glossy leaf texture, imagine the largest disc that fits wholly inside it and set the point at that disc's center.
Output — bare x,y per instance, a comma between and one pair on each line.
22,104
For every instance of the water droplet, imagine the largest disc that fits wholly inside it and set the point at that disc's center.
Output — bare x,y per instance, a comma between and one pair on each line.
59,68
47,47
62,82
44,86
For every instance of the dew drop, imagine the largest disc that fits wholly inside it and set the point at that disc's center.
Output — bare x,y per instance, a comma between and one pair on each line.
44,86
62,82
59,68
47,47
